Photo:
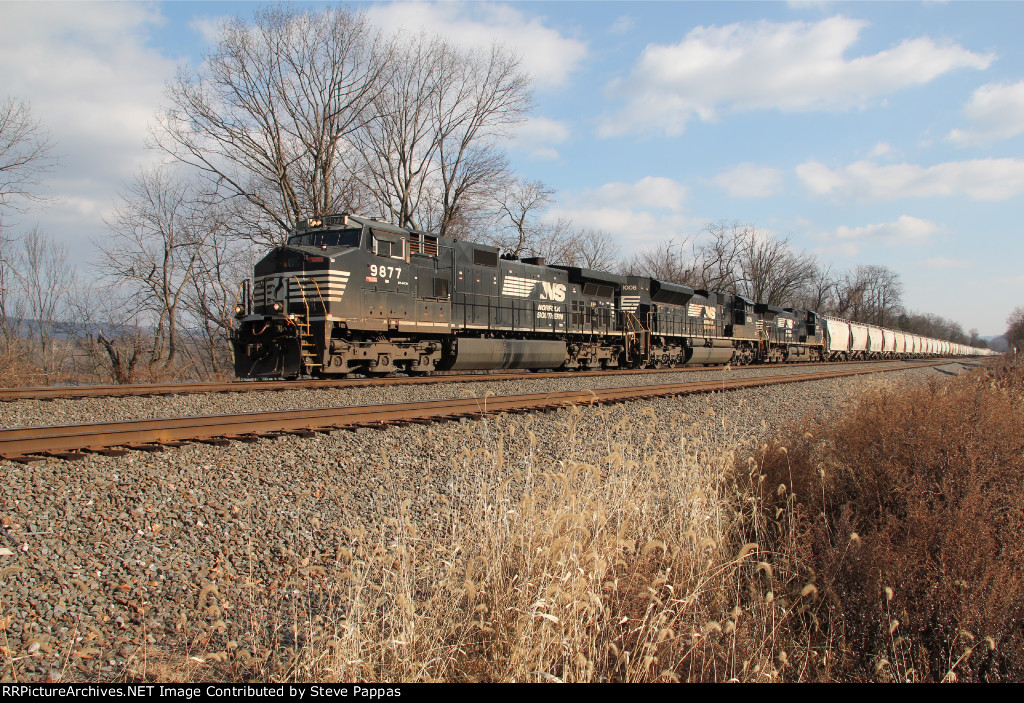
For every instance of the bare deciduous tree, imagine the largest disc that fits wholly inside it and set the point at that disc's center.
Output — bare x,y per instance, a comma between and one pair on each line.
872,294
1015,329
46,282
931,325
669,260
818,293
26,154
213,293
555,243
731,257
394,152
769,270
519,206
429,158
595,249
884,296
7,280
268,116
160,233
110,337
717,254
484,93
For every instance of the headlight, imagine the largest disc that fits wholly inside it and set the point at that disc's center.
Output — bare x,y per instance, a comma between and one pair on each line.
239,311
277,307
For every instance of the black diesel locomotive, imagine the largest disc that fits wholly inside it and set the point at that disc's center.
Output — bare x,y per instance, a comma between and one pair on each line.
352,295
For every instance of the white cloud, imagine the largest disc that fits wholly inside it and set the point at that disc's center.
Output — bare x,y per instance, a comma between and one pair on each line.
978,179
623,25
794,66
880,149
547,55
652,192
847,241
748,180
85,69
995,111
818,178
538,137
91,79
208,27
906,229
638,214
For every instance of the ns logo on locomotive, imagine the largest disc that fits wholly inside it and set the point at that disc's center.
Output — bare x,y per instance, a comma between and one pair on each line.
352,295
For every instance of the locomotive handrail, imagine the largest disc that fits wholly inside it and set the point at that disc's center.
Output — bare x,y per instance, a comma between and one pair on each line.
302,292
244,293
303,326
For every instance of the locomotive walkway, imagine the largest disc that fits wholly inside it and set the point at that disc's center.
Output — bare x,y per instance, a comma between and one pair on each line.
25,444
156,389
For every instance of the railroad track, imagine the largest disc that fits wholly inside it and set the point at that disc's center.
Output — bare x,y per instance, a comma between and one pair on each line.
157,389
25,444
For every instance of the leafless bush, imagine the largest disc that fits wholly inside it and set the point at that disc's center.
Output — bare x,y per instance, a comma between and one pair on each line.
909,516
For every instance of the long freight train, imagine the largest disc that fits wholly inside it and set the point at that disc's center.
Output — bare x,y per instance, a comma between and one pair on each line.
352,295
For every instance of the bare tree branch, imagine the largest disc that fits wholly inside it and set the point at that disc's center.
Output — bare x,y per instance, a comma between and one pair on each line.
769,270
269,115
160,234
669,260
26,155
47,280
429,158
519,205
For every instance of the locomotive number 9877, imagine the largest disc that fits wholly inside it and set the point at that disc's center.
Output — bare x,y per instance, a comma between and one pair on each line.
386,272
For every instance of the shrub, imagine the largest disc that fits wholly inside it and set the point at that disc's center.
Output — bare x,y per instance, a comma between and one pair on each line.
908,513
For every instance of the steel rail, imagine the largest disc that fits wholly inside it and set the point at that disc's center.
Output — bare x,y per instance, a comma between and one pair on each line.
68,440
156,389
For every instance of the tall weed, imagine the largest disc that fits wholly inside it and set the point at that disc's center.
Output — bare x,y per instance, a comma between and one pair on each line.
908,512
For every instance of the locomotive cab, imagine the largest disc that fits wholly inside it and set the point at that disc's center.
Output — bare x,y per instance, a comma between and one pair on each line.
291,285
743,322
347,294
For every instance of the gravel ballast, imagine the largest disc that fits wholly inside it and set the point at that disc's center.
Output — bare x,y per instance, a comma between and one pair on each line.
109,562
64,411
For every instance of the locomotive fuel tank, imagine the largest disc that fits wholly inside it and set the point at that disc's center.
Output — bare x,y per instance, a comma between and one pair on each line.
476,353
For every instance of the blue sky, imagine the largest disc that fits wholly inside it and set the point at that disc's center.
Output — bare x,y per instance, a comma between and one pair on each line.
867,133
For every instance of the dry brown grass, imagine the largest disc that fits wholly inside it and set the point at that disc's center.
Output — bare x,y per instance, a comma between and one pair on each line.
910,515
629,558
17,370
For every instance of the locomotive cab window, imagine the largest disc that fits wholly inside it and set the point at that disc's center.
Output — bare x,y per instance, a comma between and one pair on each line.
330,238
388,246
597,291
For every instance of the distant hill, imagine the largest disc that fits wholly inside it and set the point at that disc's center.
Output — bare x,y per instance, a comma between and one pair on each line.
998,344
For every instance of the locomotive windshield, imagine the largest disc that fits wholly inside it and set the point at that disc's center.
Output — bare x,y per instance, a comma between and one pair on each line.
327,238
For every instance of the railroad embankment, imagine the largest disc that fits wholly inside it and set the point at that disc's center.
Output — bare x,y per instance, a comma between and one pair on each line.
658,540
